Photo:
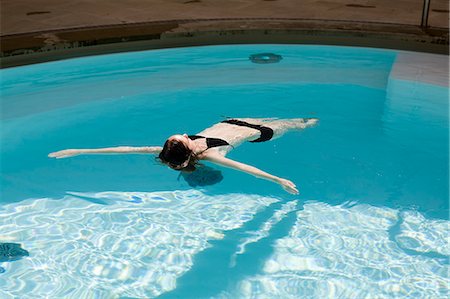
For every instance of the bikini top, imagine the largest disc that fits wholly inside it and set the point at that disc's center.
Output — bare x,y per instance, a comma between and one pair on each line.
210,142
266,132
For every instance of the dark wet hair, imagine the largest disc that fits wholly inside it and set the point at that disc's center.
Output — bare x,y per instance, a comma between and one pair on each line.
175,154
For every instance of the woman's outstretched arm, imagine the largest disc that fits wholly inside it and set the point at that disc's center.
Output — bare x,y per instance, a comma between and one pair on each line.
221,160
108,150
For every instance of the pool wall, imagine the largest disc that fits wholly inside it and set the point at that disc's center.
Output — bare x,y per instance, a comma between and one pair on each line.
42,46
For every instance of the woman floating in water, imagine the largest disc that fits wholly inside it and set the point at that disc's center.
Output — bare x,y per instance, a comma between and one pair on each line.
182,152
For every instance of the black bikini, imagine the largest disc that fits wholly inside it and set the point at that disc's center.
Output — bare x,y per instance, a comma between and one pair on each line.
266,133
210,142
205,175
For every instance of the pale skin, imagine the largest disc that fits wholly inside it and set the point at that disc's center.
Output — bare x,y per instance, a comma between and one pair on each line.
233,134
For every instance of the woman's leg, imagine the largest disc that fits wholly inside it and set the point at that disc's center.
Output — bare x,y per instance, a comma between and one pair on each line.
255,121
282,126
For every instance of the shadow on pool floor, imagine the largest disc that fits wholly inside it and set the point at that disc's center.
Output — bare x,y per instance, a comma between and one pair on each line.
211,272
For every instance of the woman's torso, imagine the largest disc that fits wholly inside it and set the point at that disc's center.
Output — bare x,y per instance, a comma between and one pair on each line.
233,134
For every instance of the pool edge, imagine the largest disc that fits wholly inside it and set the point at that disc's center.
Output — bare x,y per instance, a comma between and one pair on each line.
44,46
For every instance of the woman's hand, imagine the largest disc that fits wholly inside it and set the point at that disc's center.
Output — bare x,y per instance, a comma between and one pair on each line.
288,186
64,153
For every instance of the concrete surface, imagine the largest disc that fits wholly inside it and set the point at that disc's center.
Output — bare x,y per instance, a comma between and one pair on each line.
20,16
32,28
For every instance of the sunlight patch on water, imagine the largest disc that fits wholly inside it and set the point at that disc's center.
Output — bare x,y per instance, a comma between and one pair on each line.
424,235
349,252
131,244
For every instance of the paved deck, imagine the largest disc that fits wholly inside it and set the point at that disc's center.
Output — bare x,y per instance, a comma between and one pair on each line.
38,26
21,16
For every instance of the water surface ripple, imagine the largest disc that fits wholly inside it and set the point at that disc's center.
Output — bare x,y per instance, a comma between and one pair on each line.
140,244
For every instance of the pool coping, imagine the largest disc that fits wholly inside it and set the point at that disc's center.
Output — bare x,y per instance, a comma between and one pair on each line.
43,46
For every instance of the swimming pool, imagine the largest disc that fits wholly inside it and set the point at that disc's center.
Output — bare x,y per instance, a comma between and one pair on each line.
371,218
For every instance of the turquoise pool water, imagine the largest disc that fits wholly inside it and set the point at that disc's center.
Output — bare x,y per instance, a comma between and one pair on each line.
371,218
